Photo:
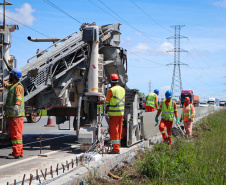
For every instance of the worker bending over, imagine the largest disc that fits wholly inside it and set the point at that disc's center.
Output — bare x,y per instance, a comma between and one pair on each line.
168,108
14,109
152,101
188,114
116,102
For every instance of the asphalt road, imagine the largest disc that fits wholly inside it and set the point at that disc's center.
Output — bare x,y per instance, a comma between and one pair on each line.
53,139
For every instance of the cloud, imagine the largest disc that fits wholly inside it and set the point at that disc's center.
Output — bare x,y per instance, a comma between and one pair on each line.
220,3
140,48
196,52
126,41
162,91
22,15
163,48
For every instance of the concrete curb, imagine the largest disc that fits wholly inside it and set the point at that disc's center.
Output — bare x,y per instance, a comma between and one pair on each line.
101,167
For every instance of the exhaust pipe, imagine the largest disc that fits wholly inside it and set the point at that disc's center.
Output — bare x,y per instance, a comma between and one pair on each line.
45,39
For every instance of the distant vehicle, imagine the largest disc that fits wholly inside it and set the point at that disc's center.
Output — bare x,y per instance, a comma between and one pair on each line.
213,102
222,103
194,99
203,104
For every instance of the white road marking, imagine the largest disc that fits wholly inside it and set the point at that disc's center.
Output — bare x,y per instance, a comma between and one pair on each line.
38,141
28,159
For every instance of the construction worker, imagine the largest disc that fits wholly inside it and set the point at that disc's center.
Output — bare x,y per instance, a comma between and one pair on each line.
14,109
188,114
152,101
115,102
168,108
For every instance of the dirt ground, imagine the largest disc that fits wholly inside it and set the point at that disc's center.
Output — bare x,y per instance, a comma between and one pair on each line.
126,174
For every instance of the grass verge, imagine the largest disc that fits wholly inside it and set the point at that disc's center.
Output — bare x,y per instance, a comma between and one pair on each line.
200,160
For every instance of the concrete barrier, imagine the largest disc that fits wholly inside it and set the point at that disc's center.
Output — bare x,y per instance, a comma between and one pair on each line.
150,130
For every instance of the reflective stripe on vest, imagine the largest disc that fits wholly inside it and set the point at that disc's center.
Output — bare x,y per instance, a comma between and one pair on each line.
117,102
151,100
11,101
190,112
168,114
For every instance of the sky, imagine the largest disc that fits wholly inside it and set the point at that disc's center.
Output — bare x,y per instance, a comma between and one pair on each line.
146,25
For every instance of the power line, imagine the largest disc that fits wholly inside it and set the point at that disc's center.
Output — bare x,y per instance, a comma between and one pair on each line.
103,10
202,60
153,52
206,74
126,21
143,67
149,16
145,58
61,10
26,26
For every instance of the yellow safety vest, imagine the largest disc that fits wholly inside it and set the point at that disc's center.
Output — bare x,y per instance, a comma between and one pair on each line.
151,100
11,101
117,102
168,114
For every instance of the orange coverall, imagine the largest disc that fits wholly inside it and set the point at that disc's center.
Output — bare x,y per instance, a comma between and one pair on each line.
167,123
152,109
115,125
187,123
16,123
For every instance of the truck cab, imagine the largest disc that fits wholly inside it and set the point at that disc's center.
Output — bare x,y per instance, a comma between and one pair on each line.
184,94
213,102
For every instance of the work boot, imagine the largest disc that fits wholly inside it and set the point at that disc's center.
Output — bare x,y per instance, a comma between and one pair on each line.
13,157
113,152
19,156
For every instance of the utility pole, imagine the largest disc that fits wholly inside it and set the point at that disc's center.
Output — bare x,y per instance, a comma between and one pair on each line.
176,85
150,86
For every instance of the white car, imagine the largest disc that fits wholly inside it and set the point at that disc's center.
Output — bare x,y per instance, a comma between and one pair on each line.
203,104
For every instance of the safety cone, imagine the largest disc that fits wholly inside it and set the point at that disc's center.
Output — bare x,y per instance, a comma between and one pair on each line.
50,122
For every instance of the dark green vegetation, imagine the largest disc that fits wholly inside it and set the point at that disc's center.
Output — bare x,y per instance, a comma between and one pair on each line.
201,160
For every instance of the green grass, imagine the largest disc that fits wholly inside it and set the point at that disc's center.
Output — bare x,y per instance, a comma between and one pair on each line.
201,161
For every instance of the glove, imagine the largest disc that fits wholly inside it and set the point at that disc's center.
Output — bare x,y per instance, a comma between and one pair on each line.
106,109
190,119
156,119
178,121
15,110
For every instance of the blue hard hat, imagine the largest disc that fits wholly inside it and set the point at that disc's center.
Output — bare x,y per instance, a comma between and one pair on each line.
16,72
157,91
168,94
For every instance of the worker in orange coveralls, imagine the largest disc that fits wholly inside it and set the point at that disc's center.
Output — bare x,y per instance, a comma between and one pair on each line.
168,108
188,114
14,109
152,101
116,103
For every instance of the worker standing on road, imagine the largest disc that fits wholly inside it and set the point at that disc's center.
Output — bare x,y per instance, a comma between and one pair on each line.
116,102
168,108
188,114
152,101
14,109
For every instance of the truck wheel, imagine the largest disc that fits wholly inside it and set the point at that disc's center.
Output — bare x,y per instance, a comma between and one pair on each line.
31,119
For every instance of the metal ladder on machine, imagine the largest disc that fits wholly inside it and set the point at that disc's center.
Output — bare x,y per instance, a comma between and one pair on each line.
1,86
